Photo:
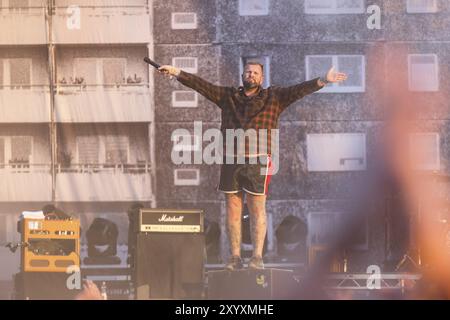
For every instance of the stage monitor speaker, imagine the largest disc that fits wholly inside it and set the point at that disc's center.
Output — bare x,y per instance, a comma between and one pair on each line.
43,286
252,284
169,265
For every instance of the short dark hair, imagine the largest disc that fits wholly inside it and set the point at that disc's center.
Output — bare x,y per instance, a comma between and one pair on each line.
254,63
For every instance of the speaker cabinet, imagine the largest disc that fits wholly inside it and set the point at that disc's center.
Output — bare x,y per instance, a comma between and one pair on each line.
169,265
43,286
252,284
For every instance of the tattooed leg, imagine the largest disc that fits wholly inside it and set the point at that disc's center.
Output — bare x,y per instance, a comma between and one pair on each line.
234,215
258,222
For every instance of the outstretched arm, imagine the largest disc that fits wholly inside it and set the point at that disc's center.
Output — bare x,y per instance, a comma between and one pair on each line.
289,95
208,90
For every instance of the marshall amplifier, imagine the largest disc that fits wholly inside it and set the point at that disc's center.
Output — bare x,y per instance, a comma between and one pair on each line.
169,254
170,221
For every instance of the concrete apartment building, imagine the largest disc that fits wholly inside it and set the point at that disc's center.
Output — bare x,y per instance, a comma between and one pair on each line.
87,125
77,113
327,139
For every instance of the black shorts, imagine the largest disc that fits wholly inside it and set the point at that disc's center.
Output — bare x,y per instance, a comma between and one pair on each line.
251,178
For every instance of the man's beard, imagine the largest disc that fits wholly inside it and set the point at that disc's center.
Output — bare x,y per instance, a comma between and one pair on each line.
250,85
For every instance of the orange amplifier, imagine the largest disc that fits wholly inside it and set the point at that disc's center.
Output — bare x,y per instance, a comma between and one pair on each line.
50,245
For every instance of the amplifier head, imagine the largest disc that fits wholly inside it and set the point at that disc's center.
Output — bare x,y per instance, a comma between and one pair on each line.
170,220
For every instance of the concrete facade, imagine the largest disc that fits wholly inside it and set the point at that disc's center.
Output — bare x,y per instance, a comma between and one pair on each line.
287,35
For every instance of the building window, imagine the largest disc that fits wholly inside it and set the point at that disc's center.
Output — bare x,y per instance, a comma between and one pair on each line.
184,99
334,6
21,149
116,149
184,20
114,70
20,73
188,64
264,60
16,73
424,151
16,150
353,65
423,72
109,149
336,151
17,5
186,142
421,6
102,71
186,177
85,71
253,7
88,149
323,227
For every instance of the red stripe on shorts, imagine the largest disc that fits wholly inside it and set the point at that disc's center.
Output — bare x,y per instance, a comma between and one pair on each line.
269,175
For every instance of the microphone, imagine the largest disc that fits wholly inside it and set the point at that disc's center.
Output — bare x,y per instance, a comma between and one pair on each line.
151,62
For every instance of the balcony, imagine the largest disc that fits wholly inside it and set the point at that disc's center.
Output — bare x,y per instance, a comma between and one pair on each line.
102,24
103,182
20,104
25,182
103,103
20,26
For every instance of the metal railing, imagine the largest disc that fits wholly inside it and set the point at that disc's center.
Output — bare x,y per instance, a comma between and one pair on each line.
23,167
104,6
105,10
31,10
26,87
125,168
93,10
125,87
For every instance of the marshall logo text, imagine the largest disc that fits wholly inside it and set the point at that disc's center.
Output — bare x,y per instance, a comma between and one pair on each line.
165,218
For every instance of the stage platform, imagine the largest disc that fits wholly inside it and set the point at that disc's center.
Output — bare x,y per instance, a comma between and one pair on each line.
261,284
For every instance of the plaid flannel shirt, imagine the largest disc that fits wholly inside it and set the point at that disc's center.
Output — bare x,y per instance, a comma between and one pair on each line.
260,111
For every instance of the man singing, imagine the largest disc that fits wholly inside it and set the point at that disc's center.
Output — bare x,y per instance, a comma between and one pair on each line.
249,107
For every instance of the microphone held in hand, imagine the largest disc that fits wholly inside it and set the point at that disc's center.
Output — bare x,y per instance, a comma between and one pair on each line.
151,62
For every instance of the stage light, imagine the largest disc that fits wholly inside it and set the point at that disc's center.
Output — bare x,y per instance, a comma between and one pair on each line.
51,212
291,240
102,238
